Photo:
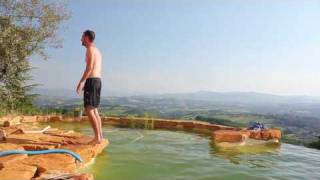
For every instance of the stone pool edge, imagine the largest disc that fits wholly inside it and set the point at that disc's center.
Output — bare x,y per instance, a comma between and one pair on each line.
45,166
218,133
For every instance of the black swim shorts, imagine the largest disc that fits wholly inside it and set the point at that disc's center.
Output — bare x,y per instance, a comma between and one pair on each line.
92,90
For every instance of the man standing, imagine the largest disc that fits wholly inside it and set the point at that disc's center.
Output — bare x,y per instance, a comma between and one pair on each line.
90,83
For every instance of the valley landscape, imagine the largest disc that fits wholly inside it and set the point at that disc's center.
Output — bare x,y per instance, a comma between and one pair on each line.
297,116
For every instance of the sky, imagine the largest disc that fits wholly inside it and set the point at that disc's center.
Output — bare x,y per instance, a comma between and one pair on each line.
172,46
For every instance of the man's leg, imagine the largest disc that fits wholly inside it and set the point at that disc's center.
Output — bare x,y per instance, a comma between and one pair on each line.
95,124
99,122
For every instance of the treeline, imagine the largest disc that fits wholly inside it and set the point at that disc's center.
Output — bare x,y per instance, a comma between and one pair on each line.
284,120
315,144
219,121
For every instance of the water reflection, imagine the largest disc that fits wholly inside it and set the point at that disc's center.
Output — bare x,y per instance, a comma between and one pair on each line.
252,155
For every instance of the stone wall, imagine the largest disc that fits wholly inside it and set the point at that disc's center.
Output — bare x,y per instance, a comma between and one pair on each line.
219,132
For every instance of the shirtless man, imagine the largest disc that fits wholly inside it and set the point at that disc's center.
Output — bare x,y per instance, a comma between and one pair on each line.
90,83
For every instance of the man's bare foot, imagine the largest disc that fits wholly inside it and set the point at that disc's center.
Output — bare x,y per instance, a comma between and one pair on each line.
95,141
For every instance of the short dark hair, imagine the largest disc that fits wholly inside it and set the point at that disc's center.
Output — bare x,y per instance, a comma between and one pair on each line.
90,34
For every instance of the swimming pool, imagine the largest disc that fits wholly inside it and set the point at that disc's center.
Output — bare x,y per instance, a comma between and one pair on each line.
139,154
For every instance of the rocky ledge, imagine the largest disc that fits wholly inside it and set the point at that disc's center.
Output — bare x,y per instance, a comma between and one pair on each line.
45,166
241,136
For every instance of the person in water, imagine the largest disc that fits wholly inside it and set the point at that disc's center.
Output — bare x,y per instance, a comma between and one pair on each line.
90,84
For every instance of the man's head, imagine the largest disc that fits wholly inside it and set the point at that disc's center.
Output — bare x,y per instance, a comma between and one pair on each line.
87,37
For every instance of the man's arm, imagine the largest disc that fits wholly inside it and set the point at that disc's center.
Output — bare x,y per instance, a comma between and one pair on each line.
88,70
89,65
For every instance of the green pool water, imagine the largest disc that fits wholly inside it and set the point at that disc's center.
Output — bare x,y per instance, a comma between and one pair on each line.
138,154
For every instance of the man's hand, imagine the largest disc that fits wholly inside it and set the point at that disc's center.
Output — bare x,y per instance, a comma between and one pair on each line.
80,87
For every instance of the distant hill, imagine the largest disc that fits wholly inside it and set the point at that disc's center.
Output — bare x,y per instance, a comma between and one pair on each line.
238,97
71,93
56,92
244,98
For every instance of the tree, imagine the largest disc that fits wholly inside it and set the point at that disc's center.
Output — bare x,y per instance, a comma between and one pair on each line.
315,144
27,28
